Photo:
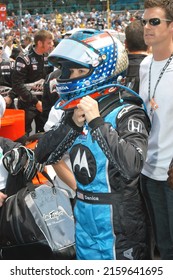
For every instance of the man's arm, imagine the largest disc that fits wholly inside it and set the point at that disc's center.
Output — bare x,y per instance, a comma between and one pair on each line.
170,175
65,174
19,79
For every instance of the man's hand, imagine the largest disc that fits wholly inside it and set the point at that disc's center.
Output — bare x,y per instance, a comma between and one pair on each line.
2,198
8,101
170,177
89,107
39,106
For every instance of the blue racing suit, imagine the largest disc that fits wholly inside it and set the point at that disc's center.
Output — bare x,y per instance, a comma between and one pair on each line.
107,156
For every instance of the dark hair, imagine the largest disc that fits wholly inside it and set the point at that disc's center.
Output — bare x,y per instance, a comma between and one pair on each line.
134,36
166,5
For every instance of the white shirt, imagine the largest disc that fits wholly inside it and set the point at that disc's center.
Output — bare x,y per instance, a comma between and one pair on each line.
54,118
2,107
3,172
160,145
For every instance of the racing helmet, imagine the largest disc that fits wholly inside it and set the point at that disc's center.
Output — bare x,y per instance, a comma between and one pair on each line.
99,51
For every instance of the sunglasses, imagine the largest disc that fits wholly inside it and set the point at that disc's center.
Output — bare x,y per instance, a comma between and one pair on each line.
153,21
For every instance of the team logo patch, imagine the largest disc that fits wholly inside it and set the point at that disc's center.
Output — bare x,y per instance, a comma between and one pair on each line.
124,111
83,164
20,65
34,67
33,60
134,126
5,67
128,254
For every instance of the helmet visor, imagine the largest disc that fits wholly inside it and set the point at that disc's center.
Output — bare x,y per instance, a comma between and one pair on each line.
75,51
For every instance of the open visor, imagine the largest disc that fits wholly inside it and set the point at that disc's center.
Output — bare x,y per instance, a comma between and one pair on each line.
75,51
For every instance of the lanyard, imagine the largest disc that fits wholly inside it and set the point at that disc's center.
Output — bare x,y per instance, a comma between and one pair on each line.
159,78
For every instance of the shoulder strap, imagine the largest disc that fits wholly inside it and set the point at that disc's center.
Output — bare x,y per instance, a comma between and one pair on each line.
46,175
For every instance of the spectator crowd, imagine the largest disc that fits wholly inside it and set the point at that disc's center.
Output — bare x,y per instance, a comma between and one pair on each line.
59,23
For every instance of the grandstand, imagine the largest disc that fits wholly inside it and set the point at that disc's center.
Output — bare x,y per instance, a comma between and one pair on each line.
49,6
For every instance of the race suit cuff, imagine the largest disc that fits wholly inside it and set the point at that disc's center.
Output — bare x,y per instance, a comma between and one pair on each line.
96,123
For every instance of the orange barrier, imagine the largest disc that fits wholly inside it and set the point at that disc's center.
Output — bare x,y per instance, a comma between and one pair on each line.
12,124
40,179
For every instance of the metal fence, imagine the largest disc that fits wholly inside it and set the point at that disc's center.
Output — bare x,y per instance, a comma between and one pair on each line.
68,6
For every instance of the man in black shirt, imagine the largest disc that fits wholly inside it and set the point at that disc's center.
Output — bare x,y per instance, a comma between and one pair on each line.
31,68
137,50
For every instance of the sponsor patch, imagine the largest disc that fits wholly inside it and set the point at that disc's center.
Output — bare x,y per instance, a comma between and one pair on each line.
124,111
5,67
134,126
20,64
33,60
128,254
34,67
